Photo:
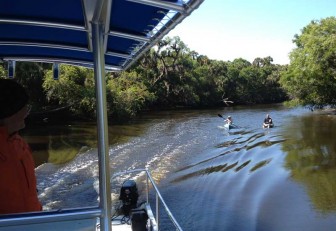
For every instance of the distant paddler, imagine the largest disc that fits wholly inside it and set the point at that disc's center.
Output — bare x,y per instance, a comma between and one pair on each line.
268,122
228,123
228,120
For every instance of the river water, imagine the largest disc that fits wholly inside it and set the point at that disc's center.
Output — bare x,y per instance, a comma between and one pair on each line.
245,179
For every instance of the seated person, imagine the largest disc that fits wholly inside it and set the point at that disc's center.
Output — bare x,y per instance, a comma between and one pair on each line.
229,120
268,122
17,172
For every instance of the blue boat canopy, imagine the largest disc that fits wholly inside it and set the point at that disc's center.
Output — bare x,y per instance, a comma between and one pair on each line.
61,31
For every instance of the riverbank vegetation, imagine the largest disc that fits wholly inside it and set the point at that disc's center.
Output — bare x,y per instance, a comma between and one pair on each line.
171,75
310,79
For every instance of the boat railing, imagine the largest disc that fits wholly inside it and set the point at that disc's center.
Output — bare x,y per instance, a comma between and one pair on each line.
158,198
63,219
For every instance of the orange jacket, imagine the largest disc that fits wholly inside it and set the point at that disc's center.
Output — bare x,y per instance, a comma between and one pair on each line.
17,175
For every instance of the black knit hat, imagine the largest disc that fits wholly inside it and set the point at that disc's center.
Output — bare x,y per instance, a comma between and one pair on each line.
13,97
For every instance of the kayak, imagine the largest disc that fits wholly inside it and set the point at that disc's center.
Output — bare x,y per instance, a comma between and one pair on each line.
268,125
228,126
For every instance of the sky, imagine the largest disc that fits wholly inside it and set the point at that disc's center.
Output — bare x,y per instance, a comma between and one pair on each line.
229,29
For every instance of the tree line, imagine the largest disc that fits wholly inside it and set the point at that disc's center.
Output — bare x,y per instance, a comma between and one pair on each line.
171,75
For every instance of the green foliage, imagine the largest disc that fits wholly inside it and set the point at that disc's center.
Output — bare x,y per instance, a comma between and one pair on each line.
210,81
168,73
3,71
254,83
31,74
74,89
311,76
178,76
127,95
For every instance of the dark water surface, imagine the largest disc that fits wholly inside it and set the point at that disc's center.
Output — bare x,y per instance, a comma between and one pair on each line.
246,179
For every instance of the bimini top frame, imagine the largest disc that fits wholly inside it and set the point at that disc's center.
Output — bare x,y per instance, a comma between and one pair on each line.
107,35
61,31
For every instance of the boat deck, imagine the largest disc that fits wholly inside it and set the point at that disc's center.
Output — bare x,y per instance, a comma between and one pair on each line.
121,223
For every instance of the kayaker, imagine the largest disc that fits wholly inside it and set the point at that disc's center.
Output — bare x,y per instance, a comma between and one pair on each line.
18,192
229,120
268,122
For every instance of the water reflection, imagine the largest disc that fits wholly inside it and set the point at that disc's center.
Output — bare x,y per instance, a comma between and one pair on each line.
311,157
58,144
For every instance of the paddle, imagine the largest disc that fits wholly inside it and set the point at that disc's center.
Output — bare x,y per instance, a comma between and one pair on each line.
219,115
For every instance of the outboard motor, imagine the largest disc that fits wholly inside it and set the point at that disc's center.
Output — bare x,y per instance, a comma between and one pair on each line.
129,196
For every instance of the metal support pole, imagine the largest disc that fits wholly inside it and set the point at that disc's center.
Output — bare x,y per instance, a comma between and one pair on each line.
157,209
102,127
11,69
147,188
